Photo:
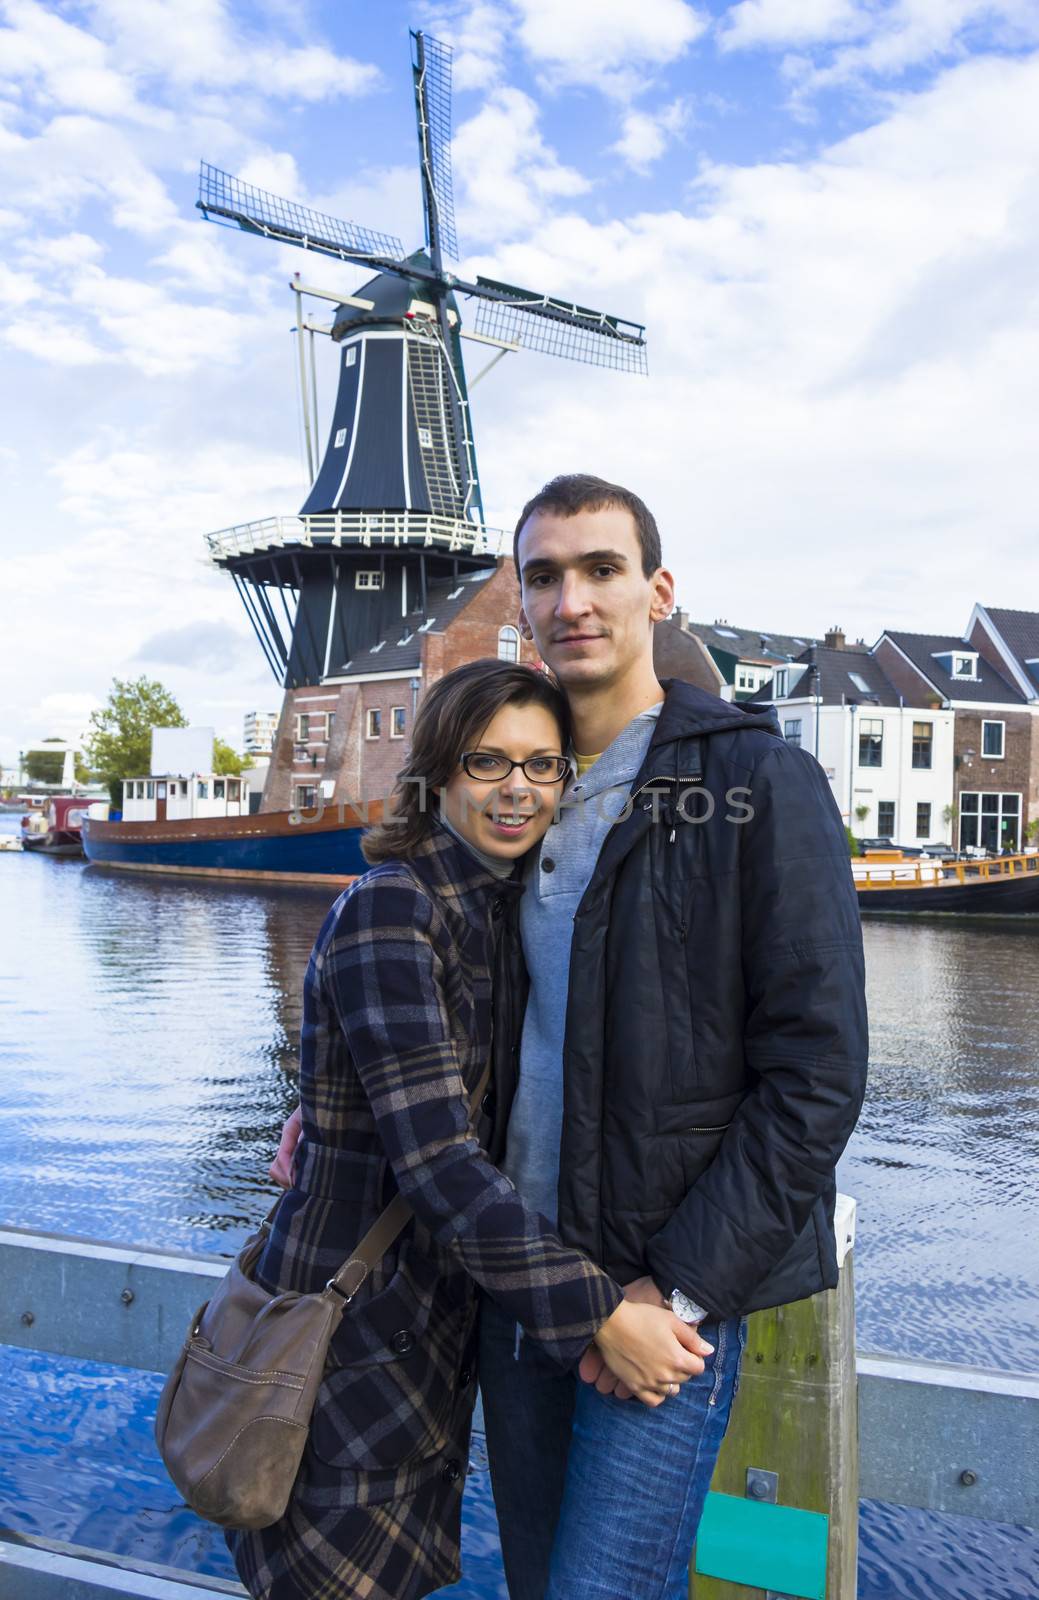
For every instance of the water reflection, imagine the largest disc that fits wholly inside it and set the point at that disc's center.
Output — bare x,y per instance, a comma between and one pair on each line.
148,1033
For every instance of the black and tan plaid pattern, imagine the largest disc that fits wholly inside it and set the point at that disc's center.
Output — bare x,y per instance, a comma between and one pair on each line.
397,1026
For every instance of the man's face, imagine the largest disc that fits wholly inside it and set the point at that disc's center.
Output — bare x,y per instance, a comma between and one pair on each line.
585,597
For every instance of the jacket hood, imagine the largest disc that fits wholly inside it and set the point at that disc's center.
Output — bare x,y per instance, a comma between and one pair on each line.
689,712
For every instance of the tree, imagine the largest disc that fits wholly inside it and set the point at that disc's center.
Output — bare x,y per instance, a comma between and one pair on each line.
118,742
227,763
45,766
1032,831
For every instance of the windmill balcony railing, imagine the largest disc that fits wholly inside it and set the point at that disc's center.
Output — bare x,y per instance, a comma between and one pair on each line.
333,528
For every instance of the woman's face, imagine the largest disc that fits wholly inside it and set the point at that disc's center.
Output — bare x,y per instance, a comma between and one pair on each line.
505,817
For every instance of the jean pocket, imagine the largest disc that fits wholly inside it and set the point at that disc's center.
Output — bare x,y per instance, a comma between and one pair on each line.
742,1336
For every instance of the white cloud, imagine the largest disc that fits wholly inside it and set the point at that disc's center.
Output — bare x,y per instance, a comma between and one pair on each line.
611,45
842,359
844,40
608,44
508,174
645,135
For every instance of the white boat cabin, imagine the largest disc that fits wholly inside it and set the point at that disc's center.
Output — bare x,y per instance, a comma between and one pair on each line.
167,798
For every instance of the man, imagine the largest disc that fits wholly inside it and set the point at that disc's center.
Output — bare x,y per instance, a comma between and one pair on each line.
692,1063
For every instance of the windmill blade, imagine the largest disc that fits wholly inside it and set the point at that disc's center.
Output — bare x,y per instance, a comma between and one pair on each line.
431,69
556,327
226,199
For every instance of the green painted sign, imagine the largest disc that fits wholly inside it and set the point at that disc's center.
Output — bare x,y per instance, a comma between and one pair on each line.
763,1546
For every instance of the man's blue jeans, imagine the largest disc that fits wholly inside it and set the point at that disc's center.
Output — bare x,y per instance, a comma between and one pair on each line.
598,1498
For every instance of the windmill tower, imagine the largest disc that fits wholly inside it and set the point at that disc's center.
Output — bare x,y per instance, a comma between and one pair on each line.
352,598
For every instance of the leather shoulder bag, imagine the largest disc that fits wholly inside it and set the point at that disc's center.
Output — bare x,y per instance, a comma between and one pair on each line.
235,1412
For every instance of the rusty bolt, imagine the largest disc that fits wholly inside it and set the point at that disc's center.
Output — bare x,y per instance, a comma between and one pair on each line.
968,1478
127,1297
28,1318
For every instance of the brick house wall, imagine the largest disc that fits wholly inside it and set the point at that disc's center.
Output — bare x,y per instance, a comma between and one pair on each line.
1017,773
677,653
904,678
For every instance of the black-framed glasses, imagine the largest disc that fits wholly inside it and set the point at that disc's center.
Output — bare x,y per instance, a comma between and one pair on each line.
488,768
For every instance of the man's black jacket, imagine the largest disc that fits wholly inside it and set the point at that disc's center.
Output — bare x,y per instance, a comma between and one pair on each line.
716,1041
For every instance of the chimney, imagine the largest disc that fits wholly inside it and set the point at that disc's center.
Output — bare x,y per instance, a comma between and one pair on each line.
834,639
680,617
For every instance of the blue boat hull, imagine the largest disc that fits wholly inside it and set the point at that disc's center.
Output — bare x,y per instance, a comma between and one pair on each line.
247,847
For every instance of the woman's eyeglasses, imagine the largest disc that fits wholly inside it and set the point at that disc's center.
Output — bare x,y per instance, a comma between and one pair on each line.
487,768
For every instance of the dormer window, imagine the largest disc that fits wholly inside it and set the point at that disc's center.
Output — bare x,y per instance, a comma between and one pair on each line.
368,580
959,664
781,683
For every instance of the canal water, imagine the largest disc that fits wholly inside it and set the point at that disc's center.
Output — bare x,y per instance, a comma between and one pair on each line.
148,1035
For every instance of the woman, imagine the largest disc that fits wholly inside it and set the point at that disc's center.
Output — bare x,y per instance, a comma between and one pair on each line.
397,1029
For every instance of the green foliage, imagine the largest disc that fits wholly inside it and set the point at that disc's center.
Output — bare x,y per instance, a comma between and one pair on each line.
45,766
227,763
118,741
854,848
1032,831
861,813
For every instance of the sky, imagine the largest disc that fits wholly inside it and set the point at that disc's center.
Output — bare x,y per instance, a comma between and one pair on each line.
826,212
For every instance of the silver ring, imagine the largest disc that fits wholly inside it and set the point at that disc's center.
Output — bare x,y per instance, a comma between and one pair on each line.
671,1389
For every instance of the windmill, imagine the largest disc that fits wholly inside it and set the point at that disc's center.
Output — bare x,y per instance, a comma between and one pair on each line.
394,509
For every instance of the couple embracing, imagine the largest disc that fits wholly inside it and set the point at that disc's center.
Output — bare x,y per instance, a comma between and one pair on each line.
633,900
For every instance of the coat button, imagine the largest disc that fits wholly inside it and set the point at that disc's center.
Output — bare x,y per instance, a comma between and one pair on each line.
498,906
465,1378
402,1342
452,1471
547,864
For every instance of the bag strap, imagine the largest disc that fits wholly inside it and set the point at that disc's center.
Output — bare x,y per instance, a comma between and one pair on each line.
386,1227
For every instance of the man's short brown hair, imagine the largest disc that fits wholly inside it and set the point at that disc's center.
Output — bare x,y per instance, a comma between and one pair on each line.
580,491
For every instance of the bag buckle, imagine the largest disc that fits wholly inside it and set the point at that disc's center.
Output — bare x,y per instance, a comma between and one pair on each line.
346,1283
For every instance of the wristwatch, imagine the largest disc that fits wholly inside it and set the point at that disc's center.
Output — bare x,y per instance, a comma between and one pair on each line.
685,1309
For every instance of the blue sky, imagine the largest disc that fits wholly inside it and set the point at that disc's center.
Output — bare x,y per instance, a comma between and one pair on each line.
825,211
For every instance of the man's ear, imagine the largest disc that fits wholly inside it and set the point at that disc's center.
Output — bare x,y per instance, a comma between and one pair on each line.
663,601
524,626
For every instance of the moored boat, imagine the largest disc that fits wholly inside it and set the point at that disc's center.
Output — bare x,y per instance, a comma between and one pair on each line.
58,832
1003,886
320,846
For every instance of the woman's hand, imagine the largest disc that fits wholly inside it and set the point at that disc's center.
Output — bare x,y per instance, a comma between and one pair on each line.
648,1348
280,1168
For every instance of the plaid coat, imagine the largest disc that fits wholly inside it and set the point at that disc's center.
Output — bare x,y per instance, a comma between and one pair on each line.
398,1009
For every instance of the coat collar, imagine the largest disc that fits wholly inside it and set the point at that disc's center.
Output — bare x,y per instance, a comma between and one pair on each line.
454,873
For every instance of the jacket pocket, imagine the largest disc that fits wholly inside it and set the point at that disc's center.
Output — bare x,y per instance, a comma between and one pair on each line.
698,1147
388,1395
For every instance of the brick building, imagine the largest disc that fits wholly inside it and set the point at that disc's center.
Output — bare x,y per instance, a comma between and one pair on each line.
996,735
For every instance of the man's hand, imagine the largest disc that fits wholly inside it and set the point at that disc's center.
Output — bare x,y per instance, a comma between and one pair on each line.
645,1292
649,1349
593,1368
281,1167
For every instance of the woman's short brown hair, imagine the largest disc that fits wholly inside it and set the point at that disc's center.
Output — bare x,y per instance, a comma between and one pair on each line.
449,721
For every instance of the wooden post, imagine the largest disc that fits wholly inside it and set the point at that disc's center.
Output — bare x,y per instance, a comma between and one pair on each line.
795,1416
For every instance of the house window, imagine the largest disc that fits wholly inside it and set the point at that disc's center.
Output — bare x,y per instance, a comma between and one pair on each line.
792,731
871,743
234,789
993,740
923,819
508,644
374,724
397,722
203,789
368,580
781,686
306,796
218,789
330,719
965,667
304,727
923,744
990,821
886,819
150,790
